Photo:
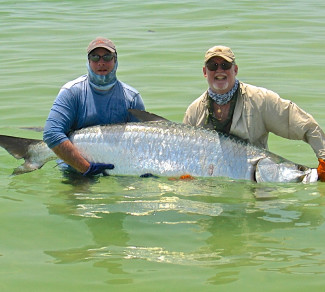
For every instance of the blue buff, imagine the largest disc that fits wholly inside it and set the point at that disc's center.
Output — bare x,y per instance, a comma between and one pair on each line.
98,168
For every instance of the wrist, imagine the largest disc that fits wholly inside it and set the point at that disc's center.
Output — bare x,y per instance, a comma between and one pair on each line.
85,167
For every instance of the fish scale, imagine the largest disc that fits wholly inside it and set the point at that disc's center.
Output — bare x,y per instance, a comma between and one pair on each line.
167,149
137,148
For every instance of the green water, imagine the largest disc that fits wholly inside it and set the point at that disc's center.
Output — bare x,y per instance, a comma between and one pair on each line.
131,234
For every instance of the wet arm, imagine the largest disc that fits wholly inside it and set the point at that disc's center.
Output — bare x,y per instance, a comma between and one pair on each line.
70,155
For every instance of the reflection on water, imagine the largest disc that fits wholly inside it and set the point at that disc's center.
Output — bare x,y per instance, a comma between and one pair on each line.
203,223
147,207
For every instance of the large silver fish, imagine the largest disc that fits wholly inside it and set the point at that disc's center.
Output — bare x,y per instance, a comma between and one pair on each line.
165,148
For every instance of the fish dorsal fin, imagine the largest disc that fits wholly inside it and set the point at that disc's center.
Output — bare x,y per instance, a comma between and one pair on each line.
144,116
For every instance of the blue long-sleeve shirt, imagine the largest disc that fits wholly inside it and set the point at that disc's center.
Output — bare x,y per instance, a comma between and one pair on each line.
78,105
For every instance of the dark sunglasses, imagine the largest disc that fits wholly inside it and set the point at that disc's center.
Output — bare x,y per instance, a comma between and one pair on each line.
96,58
212,66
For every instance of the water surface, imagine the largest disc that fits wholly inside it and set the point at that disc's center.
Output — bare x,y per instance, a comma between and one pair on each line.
131,234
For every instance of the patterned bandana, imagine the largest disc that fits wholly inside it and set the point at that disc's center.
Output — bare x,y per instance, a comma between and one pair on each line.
222,99
102,82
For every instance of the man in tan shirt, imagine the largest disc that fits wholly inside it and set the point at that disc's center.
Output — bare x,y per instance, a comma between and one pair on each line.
249,112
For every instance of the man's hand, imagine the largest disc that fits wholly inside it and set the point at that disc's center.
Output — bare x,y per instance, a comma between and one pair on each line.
321,170
98,168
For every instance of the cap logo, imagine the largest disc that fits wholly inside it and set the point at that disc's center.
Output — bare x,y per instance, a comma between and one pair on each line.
99,42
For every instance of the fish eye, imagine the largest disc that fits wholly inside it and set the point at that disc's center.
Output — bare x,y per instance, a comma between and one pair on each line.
302,167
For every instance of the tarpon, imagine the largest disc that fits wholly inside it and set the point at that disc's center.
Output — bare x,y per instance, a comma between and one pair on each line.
165,148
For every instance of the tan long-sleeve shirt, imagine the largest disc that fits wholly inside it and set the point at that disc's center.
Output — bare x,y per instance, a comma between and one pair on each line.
258,112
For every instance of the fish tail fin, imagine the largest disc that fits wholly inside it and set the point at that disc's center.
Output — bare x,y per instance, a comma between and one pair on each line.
24,148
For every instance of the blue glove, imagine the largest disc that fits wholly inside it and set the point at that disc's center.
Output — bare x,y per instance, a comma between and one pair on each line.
98,168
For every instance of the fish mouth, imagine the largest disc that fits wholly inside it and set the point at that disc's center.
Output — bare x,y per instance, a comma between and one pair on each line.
311,176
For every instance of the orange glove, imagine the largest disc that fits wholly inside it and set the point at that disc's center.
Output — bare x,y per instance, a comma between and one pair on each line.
321,170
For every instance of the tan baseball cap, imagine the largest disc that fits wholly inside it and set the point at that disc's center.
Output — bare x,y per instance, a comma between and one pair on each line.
101,42
220,51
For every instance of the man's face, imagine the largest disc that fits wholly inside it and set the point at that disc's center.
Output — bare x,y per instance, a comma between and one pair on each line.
220,80
101,67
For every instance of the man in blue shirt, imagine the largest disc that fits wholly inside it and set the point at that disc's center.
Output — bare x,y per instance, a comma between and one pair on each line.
92,99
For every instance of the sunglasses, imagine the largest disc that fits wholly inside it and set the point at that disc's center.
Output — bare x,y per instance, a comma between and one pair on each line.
96,58
212,66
